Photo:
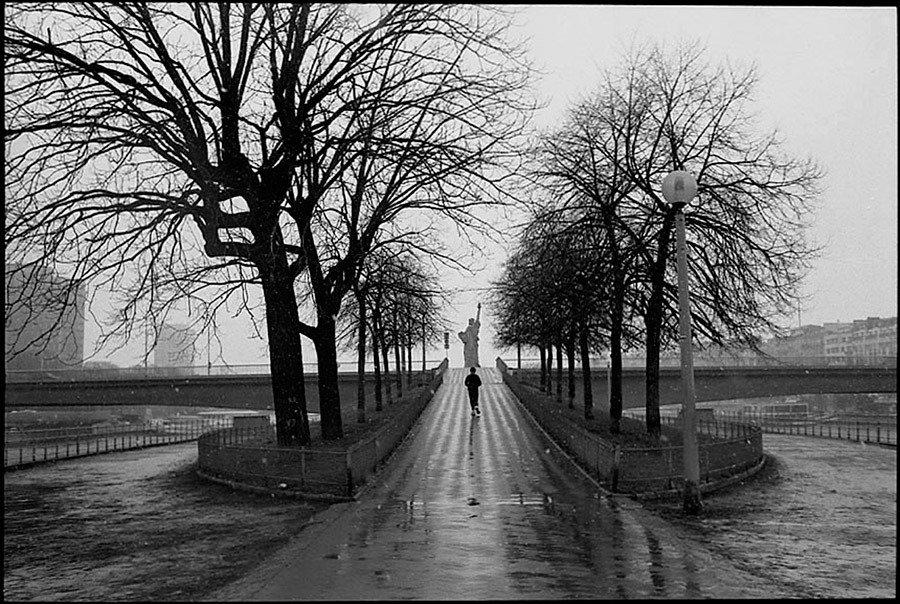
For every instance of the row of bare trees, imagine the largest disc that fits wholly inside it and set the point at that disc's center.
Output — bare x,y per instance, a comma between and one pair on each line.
593,270
203,152
396,304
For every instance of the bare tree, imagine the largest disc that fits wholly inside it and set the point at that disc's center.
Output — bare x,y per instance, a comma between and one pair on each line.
390,279
593,187
558,277
518,298
199,148
746,235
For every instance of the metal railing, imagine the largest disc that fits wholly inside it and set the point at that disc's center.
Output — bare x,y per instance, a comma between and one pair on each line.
251,457
727,451
24,448
639,362
364,457
725,448
878,429
71,374
874,429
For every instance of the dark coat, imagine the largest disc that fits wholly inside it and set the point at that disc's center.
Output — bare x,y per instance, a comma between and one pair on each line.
472,382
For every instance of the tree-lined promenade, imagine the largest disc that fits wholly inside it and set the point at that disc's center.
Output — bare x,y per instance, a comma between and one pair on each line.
316,167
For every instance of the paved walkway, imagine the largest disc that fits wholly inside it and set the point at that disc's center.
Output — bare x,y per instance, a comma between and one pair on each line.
488,508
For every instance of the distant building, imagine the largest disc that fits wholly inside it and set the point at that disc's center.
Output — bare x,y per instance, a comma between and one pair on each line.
101,365
863,341
100,370
174,351
874,337
44,320
806,341
838,342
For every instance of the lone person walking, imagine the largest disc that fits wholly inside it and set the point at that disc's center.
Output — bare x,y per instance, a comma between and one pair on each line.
473,383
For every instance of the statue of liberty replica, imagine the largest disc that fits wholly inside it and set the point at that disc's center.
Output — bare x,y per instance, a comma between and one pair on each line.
469,339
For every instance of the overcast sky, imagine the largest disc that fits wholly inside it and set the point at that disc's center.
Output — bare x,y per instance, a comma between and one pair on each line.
828,83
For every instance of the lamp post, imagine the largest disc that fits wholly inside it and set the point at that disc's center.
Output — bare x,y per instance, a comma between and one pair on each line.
208,357
678,188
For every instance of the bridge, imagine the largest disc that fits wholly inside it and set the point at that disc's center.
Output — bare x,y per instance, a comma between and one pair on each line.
255,391
728,383
226,391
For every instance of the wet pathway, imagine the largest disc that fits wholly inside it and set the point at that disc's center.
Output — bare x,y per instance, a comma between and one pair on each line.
488,508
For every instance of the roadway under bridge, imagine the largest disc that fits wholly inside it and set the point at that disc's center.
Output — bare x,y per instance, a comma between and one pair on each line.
255,391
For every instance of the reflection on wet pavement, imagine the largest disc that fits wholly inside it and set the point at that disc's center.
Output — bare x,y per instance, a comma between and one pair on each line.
488,508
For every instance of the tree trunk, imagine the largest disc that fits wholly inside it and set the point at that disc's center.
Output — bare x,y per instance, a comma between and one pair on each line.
329,394
424,342
654,328
386,366
543,353
376,362
586,375
615,335
651,377
400,354
550,370
398,363
570,354
615,368
285,357
361,362
409,365
615,378
559,372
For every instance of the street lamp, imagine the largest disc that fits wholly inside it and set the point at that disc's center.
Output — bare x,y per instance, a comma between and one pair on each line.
208,357
678,188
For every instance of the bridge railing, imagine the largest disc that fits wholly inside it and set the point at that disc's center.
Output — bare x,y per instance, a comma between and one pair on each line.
71,374
74,374
699,360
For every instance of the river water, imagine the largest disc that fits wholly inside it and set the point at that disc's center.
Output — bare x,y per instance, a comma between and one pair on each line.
134,526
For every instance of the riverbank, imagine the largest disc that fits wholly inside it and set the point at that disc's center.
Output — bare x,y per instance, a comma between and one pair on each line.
135,526
820,518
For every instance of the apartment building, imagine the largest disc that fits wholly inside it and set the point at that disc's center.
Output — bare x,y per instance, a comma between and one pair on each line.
864,340
44,320
174,351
